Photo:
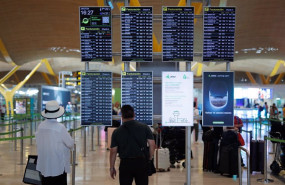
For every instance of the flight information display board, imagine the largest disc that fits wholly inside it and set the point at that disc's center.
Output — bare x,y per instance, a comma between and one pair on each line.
219,34
95,34
177,33
137,90
136,30
96,98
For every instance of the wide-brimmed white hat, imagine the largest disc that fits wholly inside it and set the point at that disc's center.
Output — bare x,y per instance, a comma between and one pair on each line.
53,110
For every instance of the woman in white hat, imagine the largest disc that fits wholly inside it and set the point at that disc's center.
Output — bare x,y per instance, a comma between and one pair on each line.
53,146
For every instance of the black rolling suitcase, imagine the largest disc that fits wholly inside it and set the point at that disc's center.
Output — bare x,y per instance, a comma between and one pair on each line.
229,159
228,163
207,157
257,156
210,156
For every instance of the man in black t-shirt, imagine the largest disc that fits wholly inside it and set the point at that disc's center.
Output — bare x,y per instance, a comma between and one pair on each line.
129,140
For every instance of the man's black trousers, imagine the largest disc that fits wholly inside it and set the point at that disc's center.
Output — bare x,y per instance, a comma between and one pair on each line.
133,168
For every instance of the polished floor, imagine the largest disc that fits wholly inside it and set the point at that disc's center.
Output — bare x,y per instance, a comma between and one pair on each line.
94,168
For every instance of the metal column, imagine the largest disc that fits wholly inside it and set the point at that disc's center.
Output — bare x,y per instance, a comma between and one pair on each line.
188,143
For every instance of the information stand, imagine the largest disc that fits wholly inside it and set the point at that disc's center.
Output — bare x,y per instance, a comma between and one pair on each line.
218,99
177,99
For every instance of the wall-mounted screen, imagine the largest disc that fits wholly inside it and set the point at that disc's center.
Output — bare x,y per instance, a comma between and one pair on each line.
137,92
253,93
61,95
177,33
239,102
96,98
177,98
95,34
136,34
219,34
21,105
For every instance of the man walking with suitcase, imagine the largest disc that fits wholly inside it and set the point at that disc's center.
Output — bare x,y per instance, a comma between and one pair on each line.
130,141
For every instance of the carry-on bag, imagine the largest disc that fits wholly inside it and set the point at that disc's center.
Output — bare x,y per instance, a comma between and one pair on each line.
161,159
257,156
31,175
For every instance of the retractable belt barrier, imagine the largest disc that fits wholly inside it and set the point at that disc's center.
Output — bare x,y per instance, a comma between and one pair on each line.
12,132
265,179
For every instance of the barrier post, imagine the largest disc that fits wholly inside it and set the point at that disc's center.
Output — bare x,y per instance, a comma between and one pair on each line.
188,156
92,138
36,124
247,164
250,135
31,131
71,155
239,166
84,142
15,135
260,127
10,125
98,136
73,164
266,180
22,148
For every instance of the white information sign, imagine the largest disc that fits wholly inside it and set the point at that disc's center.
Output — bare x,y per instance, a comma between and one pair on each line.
177,99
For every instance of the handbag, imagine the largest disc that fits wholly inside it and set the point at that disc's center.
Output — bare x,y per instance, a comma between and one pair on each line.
241,140
150,164
31,175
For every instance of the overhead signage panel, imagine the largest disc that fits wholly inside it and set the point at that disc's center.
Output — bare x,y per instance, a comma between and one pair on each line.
218,99
96,98
177,33
95,34
136,34
177,99
137,91
219,34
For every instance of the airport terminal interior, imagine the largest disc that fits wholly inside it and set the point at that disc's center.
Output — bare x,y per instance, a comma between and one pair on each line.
94,56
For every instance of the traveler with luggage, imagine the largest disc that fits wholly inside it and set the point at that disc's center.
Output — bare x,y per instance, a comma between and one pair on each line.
238,124
196,123
265,109
53,146
130,141
274,112
3,111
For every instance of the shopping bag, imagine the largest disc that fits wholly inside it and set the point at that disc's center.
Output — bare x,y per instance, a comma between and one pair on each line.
31,175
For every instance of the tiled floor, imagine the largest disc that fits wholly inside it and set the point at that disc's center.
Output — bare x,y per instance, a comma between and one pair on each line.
94,168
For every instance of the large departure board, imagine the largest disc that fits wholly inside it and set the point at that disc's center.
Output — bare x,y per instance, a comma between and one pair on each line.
219,34
96,98
95,34
136,30
137,91
177,33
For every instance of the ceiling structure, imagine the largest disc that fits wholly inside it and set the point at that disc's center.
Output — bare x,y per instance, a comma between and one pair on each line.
32,30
